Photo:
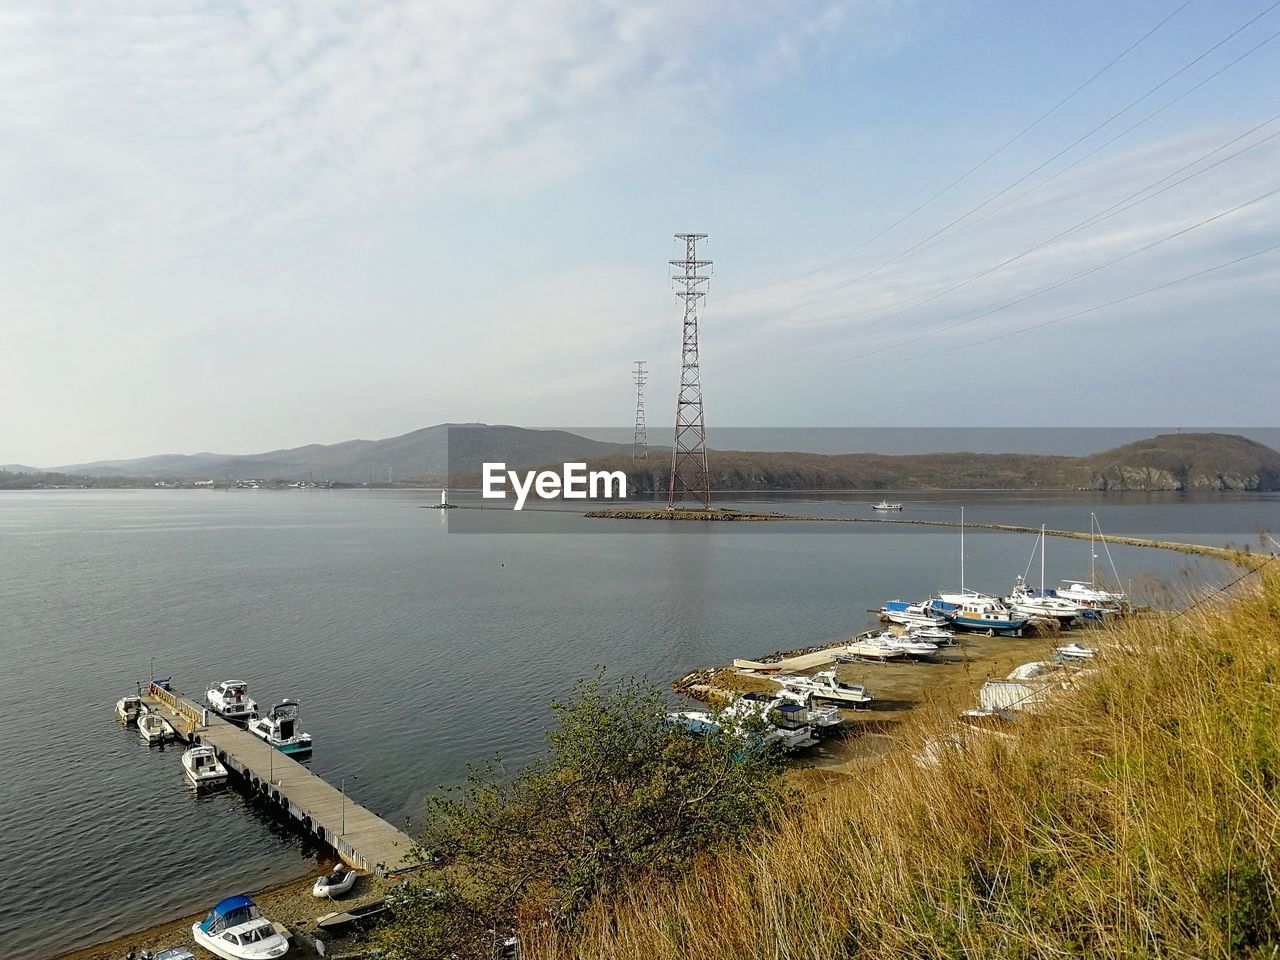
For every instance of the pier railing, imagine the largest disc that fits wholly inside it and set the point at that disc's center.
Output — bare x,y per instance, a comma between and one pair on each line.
191,718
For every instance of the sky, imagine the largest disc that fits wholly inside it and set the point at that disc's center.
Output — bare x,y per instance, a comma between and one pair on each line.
236,227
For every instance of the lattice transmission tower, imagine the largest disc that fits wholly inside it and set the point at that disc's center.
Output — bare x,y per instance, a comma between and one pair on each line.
640,445
690,481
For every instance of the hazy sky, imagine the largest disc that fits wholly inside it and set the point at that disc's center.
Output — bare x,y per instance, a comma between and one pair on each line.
240,226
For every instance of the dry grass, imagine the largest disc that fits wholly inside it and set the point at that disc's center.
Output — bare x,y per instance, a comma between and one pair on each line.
1138,816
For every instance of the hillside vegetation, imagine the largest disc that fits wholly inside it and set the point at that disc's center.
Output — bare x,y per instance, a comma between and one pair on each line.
1138,816
1182,461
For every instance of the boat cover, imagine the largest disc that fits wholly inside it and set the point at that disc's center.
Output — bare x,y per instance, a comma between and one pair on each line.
229,913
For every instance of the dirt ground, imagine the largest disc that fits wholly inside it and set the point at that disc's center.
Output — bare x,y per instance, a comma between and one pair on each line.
290,904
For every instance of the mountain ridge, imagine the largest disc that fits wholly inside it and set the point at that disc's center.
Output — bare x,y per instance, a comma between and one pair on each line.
1175,461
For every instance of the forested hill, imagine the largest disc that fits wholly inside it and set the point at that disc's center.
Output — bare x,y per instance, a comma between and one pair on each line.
1182,461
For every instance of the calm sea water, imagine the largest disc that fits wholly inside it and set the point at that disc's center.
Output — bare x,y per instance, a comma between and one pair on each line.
413,651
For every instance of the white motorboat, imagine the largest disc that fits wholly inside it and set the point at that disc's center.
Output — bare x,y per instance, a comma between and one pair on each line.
822,717
237,930
231,701
280,729
826,686
335,883
935,634
787,722
128,708
154,728
203,768
907,614
886,646
884,506
1076,651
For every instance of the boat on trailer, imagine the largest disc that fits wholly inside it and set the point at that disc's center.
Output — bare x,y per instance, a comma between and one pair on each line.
906,614
825,685
279,728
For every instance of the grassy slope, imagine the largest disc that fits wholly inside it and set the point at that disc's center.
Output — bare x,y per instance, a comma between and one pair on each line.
1139,816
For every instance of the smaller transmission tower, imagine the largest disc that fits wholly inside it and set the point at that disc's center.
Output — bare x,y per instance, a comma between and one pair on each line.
690,480
640,445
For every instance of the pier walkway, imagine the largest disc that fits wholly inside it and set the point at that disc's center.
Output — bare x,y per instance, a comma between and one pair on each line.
362,838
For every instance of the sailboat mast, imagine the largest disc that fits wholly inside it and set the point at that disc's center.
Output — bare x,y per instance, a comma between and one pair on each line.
1093,553
962,549
1042,545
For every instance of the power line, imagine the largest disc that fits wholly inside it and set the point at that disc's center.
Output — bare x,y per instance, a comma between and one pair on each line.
1101,306
1123,133
1034,170
1115,209
1008,143
1023,298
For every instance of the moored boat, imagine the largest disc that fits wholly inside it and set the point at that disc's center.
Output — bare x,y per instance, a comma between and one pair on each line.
203,768
128,708
280,729
236,930
231,701
154,728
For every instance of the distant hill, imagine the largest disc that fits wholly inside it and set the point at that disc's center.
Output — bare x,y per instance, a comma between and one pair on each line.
447,448
1181,461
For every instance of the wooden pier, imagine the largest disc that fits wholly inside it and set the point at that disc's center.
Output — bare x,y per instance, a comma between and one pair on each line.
361,838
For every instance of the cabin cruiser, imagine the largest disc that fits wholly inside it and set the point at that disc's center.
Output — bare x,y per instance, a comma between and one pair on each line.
1040,603
822,717
787,722
825,686
128,708
906,613
231,701
280,729
979,612
885,506
154,728
237,930
203,768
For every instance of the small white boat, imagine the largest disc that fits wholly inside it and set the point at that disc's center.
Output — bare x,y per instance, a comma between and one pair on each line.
128,708
231,701
237,930
203,768
279,728
154,728
884,506
335,883
1076,651
934,634
907,614
826,686
886,646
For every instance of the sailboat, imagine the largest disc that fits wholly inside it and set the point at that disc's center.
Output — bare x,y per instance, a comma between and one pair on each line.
970,610
1042,602
1087,593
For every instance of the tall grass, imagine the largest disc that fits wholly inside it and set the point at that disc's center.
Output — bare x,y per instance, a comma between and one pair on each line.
1139,815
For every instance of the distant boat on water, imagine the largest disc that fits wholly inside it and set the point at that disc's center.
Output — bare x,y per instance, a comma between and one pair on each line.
884,506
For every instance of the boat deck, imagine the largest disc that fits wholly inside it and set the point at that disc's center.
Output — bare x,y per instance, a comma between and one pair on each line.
362,838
